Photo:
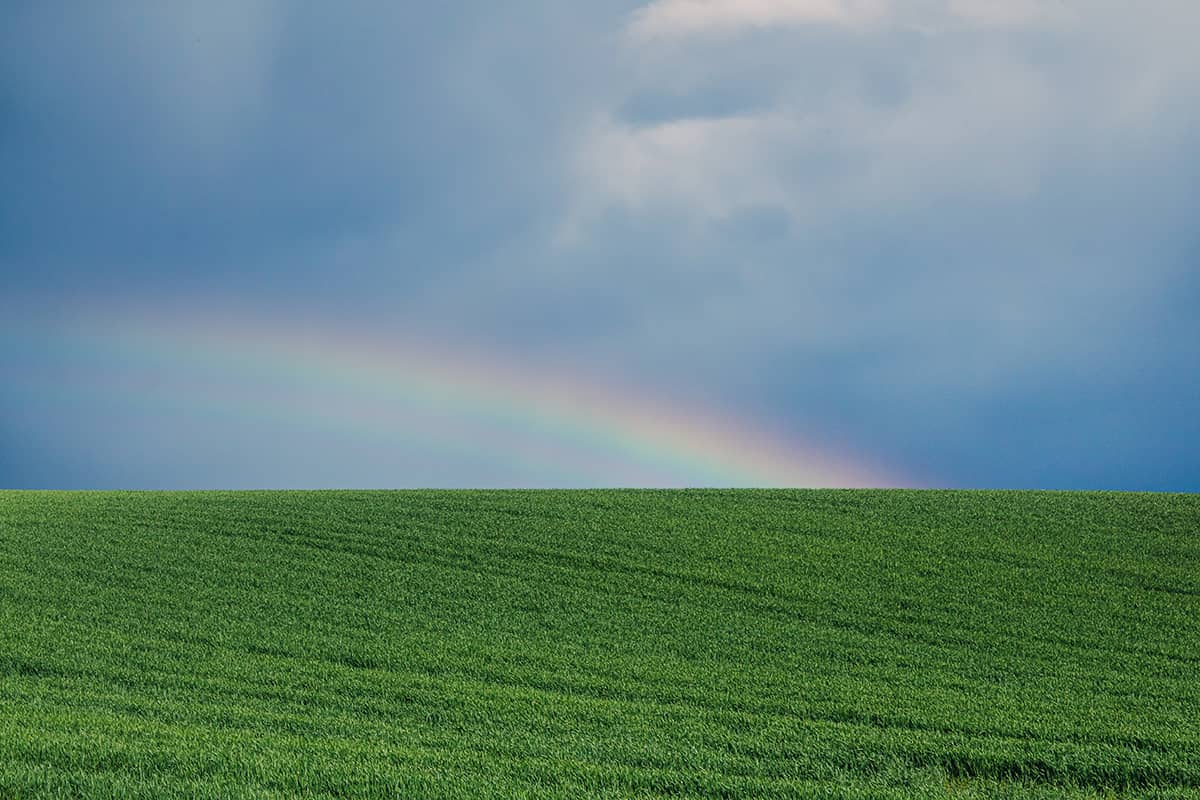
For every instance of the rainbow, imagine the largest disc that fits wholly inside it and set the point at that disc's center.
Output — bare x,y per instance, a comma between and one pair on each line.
570,429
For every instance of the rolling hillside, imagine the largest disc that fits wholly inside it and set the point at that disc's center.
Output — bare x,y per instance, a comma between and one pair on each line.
599,644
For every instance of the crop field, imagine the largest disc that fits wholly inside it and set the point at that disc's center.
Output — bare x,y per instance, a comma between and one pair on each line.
577,644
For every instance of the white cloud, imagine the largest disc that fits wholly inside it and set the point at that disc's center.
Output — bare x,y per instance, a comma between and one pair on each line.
714,165
678,19
1007,13
982,129
674,18
973,114
960,131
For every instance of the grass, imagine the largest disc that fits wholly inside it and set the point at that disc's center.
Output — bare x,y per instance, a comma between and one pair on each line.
600,644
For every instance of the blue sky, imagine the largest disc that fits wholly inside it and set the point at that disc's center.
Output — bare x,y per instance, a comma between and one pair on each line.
955,238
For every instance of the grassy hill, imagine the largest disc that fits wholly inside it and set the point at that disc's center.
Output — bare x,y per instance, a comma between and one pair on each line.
600,644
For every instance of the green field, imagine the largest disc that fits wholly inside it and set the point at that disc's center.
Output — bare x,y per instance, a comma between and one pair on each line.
599,644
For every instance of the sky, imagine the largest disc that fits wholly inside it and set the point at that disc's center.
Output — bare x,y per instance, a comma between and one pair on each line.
932,243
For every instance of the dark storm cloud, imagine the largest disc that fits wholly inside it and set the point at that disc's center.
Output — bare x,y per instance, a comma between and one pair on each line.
160,142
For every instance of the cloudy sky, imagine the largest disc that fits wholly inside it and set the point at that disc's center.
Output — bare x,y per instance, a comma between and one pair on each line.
682,242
